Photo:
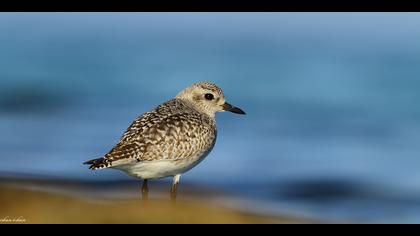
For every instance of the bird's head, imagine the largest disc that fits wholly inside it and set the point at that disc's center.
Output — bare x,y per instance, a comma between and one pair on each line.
207,98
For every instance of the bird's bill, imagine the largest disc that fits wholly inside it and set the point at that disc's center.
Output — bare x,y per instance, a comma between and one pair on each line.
228,107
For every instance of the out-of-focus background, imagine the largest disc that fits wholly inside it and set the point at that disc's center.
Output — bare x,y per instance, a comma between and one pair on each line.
332,99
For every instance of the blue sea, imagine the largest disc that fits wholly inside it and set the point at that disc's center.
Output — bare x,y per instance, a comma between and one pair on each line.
332,100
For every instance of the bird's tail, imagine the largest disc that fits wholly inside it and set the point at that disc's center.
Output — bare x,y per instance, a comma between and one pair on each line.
98,163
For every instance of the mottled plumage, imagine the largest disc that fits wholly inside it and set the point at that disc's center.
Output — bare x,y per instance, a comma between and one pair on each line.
170,139
172,131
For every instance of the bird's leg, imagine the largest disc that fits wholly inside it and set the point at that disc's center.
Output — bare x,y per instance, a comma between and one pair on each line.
174,188
144,190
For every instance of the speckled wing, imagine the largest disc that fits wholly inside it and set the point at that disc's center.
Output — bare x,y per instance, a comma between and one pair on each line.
172,131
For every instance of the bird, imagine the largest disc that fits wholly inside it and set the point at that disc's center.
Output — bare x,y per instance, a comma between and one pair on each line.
171,139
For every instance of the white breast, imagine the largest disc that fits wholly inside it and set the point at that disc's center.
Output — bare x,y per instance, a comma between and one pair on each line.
161,168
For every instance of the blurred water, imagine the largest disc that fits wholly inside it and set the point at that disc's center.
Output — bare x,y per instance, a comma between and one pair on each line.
332,124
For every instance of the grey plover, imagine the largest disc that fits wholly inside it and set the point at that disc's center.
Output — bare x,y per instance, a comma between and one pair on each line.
171,139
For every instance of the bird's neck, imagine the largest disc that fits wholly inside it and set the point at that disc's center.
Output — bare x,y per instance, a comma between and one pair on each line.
198,108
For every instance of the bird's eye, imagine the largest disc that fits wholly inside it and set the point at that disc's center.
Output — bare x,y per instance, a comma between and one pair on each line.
209,96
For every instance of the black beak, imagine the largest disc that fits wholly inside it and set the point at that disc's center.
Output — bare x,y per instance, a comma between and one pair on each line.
228,107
